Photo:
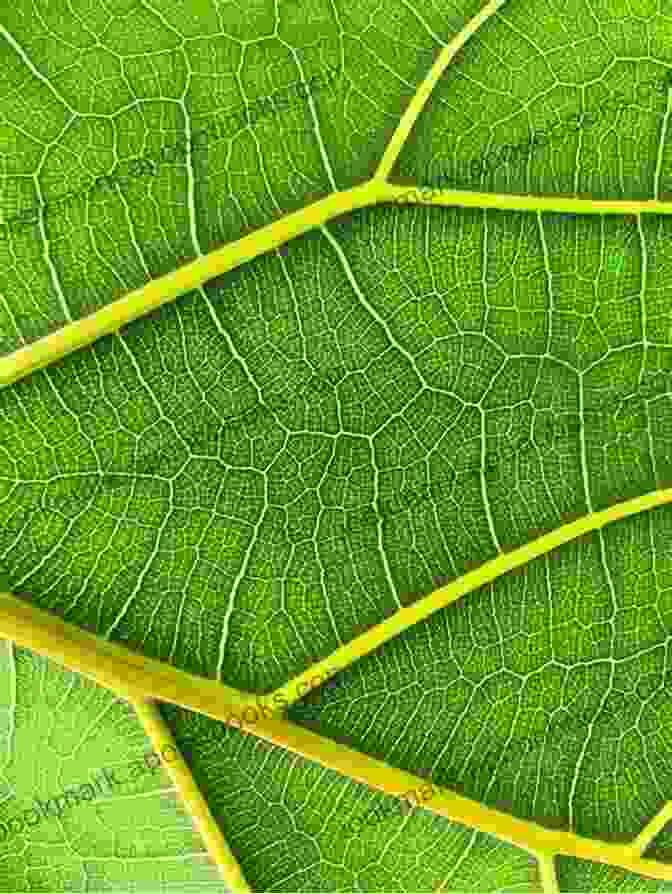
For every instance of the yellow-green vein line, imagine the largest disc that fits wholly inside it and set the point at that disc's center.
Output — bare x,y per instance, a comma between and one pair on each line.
421,195
649,832
547,875
215,843
406,617
110,664
164,289
167,288
424,91
140,679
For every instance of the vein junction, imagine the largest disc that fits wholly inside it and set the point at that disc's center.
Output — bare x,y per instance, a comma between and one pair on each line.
164,289
143,680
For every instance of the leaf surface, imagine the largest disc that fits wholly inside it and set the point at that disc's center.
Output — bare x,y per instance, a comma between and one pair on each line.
250,481
83,803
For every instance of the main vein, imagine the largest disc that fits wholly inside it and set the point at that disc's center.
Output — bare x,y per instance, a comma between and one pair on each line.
146,679
164,289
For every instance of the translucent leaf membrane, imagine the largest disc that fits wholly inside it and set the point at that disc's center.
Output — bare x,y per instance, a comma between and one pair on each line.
246,480
85,805
395,401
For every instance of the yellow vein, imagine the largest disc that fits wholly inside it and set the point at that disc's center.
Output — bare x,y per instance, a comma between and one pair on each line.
164,289
649,832
109,664
547,875
81,644
193,799
147,679
406,617
409,194
535,839
167,288
425,89
140,679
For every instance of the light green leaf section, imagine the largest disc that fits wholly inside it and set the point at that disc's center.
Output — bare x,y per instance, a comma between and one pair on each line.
292,823
122,828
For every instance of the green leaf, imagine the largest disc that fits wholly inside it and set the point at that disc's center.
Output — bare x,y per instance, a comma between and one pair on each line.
579,875
89,808
343,456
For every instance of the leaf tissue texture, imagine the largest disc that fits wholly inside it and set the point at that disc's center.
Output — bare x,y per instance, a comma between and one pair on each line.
379,445
303,815
127,829
253,511
545,693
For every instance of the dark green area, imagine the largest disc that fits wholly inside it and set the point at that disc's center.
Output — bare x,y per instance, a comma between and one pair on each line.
583,875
